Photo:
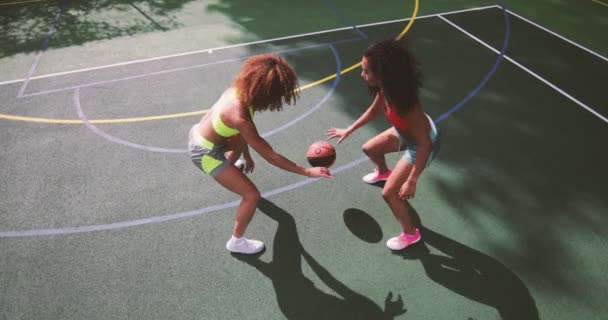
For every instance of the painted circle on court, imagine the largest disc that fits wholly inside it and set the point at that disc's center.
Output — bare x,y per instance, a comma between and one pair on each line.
186,214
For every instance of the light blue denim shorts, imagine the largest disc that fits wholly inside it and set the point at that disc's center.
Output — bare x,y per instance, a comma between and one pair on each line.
411,148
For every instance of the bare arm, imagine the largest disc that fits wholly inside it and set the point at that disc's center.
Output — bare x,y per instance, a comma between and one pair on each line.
371,113
330,280
263,148
246,152
249,163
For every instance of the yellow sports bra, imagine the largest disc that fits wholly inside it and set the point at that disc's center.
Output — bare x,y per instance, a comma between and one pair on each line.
221,128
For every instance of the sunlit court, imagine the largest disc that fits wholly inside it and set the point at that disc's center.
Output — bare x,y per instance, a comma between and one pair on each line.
104,216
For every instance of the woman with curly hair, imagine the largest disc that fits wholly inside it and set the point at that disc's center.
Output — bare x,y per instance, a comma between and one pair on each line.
394,79
227,130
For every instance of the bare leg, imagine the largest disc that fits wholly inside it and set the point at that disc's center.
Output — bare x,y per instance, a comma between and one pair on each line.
234,180
378,146
390,193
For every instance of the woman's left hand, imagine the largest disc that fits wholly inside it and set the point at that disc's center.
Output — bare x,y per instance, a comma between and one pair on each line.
408,190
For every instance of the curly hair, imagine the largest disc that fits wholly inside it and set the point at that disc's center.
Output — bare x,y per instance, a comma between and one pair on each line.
398,72
265,82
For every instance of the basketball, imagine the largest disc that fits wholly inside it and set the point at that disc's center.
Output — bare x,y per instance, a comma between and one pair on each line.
321,154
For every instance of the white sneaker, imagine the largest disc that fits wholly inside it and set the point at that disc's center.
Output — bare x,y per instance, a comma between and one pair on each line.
244,245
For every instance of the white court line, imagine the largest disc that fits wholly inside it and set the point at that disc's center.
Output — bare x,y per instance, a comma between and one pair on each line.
559,36
429,15
239,45
20,2
597,114
600,3
42,48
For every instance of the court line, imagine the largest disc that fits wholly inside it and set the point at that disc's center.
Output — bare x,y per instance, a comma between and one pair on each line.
180,215
169,217
97,131
124,224
143,75
43,47
20,2
358,64
174,216
554,87
325,98
186,114
242,45
605,4
72,121
488,75
334,8
559,36
147,118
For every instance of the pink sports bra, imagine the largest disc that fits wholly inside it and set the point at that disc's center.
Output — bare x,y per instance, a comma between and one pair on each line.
393,117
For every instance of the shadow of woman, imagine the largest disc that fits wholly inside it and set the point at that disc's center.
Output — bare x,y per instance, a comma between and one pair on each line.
297,296
462,269
474,275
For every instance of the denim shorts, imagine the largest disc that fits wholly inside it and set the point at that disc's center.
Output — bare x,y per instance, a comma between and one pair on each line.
411,148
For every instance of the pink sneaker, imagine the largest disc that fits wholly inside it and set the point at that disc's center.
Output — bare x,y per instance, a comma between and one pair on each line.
403,240
376,176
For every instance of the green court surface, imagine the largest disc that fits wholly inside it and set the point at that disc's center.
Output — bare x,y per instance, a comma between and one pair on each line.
103,216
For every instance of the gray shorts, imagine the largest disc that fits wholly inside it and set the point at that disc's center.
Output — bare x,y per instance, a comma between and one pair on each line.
207,156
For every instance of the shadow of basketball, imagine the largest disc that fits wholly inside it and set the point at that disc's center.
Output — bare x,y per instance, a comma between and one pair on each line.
362,225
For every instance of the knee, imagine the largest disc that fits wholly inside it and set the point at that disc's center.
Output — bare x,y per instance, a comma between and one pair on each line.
389,193
253,195
367,148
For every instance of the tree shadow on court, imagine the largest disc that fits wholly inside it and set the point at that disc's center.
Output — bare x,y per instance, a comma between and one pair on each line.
459,268
474,275
276,18
517,172
23,27
515,165
297,295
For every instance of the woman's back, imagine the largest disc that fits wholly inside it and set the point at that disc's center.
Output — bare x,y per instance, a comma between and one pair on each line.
213,126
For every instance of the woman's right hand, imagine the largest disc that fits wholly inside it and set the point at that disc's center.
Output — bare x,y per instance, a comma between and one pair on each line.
341,134
318,172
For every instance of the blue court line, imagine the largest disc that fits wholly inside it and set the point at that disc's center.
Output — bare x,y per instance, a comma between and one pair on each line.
331,91
186,214
348,21
117,140
43,47
485,80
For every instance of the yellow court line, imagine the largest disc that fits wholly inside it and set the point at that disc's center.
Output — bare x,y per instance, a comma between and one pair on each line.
188,114
98,121
600,2
357,65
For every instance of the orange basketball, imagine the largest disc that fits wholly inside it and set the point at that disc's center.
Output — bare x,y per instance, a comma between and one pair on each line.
321,154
